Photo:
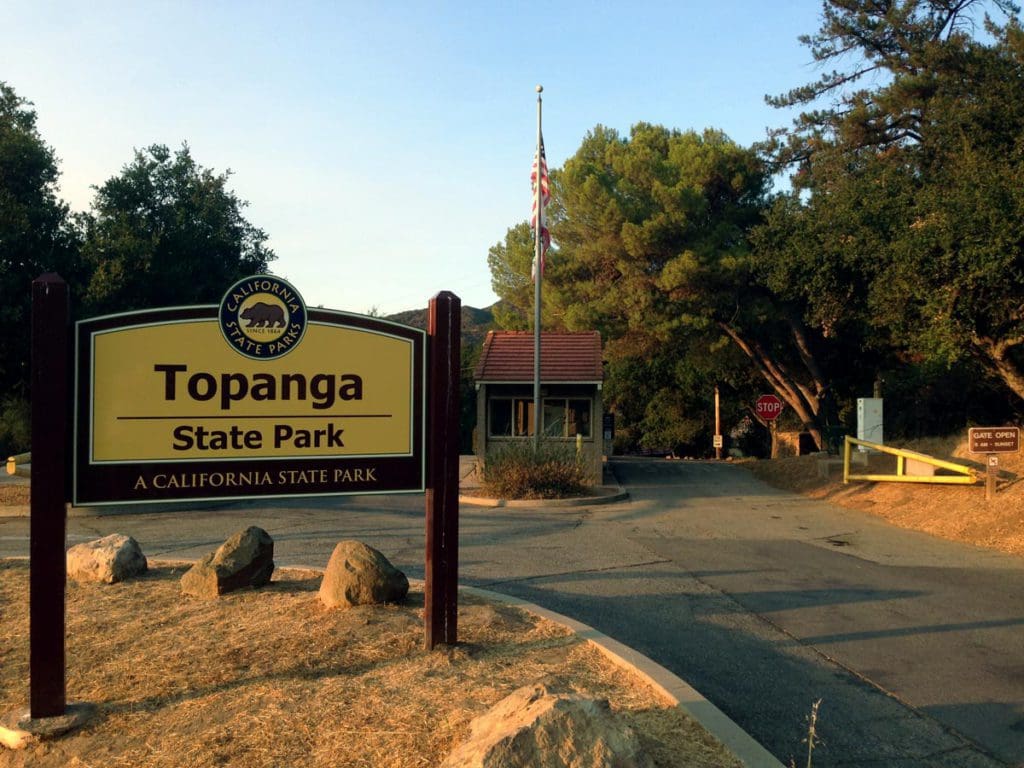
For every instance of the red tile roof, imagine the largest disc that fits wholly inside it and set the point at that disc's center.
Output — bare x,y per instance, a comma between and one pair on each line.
564,357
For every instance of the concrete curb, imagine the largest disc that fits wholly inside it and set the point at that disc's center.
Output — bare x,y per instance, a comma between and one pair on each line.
672,687
609,495
115,510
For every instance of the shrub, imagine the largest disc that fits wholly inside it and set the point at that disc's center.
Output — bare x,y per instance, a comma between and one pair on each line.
15,425
521,471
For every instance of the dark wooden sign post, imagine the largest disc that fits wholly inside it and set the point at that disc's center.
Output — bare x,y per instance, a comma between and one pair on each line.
47,527
442,560
53,453
992,441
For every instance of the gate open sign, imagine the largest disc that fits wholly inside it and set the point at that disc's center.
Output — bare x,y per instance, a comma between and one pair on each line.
768,407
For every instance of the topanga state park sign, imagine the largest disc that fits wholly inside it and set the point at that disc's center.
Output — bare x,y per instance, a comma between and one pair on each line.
256,396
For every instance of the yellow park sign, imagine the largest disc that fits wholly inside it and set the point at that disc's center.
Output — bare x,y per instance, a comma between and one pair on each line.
255,396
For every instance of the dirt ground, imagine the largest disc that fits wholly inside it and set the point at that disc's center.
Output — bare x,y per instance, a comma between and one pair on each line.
271,678
957,512
13,495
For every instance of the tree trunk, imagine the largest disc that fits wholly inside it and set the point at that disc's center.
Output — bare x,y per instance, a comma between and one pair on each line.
802,397
994,354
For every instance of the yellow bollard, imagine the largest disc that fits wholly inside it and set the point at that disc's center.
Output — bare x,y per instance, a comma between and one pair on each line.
18,459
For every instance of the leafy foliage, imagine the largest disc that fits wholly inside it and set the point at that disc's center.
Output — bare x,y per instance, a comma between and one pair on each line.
15,425
167,232
36,236
510,262
522,471
909,45
905,227
896,258
653,251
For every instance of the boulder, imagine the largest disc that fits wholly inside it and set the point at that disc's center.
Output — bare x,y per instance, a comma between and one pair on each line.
111,559
360,575
246,559
536,728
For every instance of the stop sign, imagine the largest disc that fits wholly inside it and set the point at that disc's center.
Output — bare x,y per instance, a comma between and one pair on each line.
768,407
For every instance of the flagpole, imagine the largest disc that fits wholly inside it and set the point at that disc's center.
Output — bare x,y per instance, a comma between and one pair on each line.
537,271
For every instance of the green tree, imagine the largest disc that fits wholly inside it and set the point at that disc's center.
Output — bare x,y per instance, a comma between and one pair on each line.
653,252
167,231
654,231
906,219
908,45
36,236
510,262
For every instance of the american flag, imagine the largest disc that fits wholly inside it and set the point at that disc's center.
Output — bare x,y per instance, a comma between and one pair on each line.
540,202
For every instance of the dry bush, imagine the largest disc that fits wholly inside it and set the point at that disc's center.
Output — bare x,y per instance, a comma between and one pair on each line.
521,471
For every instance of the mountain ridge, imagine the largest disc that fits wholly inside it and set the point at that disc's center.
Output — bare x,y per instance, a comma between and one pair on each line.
476,322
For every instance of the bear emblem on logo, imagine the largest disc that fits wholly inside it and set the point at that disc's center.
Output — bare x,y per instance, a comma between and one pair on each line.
262,317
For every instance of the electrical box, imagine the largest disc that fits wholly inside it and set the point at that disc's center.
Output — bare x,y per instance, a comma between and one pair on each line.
869,420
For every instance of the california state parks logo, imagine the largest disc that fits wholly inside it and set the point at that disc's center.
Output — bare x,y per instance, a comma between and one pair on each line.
262,317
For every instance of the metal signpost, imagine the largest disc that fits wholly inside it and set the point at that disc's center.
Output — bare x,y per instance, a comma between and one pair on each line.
992,441
768,407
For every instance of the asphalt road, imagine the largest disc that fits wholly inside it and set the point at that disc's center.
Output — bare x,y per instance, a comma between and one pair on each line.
764,601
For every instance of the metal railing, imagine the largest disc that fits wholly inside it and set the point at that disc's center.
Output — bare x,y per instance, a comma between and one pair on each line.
965,475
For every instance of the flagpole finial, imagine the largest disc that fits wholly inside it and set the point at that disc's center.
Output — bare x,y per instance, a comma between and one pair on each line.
540,88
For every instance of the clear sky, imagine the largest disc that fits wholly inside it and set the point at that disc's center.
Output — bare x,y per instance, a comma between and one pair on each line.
385,146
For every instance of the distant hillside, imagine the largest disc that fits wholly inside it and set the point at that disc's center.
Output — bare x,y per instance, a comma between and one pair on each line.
475,322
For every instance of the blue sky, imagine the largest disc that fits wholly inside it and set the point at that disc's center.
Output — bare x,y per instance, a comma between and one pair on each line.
384,147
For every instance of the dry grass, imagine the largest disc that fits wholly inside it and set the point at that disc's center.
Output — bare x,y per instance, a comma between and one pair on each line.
270,678
953,512
12,494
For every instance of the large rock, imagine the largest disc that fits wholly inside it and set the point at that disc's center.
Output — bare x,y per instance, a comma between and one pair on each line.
536,728
246,559
113,558
360,575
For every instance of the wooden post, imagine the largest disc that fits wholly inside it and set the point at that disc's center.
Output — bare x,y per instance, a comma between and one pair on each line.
440,615
47,528
990,476
718,426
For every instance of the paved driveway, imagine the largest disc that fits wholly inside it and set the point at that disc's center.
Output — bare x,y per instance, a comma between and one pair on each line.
762,600
766,602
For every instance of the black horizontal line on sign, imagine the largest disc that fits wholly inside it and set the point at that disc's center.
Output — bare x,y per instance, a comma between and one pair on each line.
244,416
